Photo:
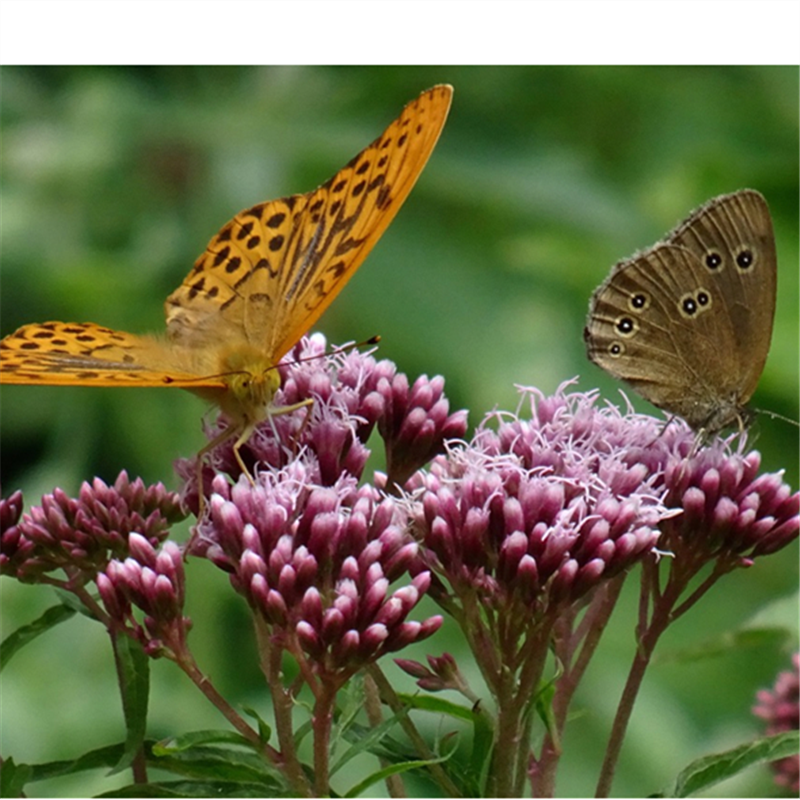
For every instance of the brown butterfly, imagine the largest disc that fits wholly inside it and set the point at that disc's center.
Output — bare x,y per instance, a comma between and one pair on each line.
688,322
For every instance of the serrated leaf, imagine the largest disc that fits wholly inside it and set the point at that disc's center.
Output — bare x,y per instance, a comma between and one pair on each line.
15,641
707,771
217,763
351,702
388,748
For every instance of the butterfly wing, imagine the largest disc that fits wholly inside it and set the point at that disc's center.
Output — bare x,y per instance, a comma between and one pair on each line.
677,321
271,272
636,332
732,237
85,354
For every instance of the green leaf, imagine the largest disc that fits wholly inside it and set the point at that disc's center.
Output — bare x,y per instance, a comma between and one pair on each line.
218,763
133,668
483,734
367,743
544,709
101,758
13,778
197,763
264,728
707,771
394,769
199,789
187,741
15,641
351,702
439,706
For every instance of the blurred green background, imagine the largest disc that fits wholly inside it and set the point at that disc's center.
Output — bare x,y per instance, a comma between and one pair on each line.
113,181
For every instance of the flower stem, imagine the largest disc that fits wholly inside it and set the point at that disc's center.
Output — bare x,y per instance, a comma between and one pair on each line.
587,637
270,658
649,634
321,722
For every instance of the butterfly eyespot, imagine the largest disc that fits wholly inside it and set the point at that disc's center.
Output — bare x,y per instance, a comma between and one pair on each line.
639,302
713,260
688,306
616,349
626,326
703,298
744,260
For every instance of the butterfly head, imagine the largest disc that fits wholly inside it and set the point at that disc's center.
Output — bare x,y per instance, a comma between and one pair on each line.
251,384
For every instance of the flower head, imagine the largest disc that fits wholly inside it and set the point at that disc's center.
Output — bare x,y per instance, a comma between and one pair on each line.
80,535
779,707
729,509
14,548
443,674
416,424
153,582
351,393
316,563
532,515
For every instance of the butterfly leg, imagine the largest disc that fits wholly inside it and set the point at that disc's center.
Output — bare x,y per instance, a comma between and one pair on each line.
217,440
308,403
248,428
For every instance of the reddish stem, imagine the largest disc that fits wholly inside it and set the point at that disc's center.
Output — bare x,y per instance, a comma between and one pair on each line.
271,657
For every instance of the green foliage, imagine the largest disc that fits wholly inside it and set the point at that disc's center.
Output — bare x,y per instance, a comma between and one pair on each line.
709,770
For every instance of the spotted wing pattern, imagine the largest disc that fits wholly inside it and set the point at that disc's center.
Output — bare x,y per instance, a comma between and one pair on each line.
85,354
264,279
271,272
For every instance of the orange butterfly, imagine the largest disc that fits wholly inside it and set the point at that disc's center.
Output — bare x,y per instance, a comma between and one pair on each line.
262,282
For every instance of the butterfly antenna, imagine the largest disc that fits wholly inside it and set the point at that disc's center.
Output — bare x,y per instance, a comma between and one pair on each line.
373,340
776,415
